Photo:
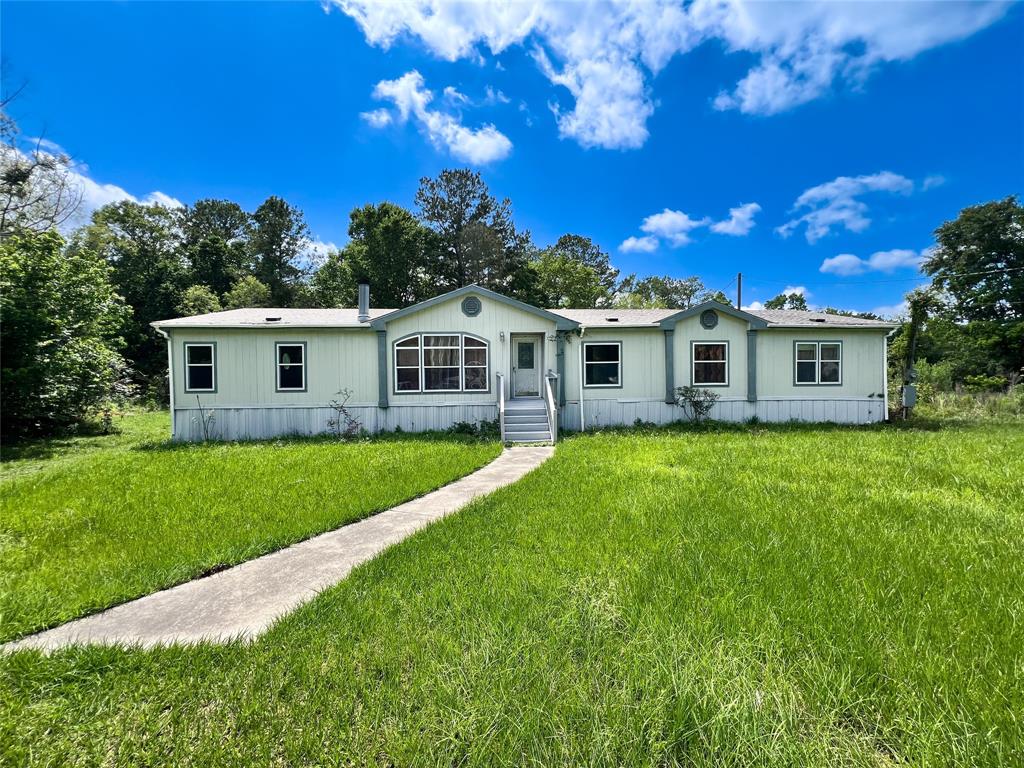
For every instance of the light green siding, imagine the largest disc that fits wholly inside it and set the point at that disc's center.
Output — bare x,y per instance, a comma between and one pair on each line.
335,359
729,329
643,364
863,372
496,319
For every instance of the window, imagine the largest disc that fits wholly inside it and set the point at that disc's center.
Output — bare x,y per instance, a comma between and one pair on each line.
200,373
291,367
441,363
711,364
819,362
602,364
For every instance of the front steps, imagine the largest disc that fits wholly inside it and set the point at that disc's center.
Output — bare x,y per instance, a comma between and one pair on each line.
526,421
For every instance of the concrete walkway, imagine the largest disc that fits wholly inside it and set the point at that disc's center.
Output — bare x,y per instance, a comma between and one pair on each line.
244,601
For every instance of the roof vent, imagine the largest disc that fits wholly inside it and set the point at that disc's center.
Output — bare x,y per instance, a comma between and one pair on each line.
817,319
612,319
273,319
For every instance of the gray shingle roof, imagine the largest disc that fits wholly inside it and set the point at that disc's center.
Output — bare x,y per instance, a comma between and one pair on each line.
591,318
260,318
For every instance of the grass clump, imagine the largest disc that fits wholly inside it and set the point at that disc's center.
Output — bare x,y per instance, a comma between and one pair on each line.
99,523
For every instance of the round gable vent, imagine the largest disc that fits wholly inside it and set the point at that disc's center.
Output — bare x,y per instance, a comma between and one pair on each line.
709,318
471,306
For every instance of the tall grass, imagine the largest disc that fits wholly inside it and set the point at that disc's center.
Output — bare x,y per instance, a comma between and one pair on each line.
100,526
717,597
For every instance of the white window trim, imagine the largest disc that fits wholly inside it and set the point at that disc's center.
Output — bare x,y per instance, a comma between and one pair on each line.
423,367
694,361
586,362
211,365
817,363
278,364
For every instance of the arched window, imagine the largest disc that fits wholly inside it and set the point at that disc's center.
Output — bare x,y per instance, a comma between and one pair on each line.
441,362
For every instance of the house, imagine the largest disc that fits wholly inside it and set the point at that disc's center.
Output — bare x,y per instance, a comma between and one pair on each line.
473,354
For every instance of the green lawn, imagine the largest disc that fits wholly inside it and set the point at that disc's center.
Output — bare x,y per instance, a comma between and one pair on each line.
89,522
768,596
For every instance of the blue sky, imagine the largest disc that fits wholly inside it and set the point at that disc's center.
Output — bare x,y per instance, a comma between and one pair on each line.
813,145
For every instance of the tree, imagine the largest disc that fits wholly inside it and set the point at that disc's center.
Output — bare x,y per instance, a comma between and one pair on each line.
143,245
59,333
247,292
587,252
787,301
333,284
659,292
215,262
389,248
978,260
38,188
564,282
476,241
221,219
279,237
198,300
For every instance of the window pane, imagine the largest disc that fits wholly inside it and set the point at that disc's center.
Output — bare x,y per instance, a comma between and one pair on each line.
440,341
709,373
709,351
440,356
200,377
524,353
806,351
829,351
289,377
407,379
602,374
602,353
476,378
289,353
805,372
476,357
200,354
412,342
408,357
471,342
441,378
830,372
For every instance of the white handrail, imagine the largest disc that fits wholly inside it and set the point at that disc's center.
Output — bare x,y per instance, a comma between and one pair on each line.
501,403
549,402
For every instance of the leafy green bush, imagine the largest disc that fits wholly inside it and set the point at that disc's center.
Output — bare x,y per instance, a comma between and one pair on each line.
485,430
982,383
60,326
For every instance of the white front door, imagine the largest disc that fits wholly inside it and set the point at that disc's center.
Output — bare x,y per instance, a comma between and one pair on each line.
525,366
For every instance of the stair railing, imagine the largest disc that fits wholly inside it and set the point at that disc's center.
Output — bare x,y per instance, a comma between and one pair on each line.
551,386
501,402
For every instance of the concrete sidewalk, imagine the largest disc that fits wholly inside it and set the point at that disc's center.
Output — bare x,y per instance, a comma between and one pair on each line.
243,601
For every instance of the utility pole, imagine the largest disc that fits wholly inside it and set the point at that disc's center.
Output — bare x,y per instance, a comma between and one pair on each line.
739,290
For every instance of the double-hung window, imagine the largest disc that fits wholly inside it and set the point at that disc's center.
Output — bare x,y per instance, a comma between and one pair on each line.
710,361
453,362
200,367
818,362
602,364
291,366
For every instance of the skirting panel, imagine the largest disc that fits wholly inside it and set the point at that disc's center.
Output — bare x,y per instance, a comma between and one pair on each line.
262,423
605,413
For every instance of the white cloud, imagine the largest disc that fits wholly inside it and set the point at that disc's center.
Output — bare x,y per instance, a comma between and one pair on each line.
378,118
847,264
452,95
606,56
932,181
645,244
836,204
753,306
797,289
740,221
492,96
673,226
411,99
892,311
